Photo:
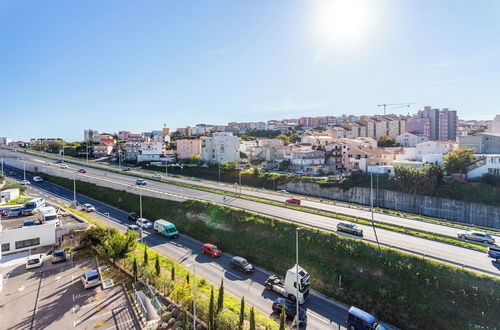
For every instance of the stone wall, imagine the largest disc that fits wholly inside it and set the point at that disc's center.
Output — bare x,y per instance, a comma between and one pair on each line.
460,211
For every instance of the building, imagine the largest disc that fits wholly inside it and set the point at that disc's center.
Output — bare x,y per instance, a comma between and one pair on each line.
247,146
8,195
494,126
409,139
188,147
123,135
151,151
358,160
484,164
103,150
5,141
483,143
89,134
137,137
434,124
220,147
184,131
433,151
131,150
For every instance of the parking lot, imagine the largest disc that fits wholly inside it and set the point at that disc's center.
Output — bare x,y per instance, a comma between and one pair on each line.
53,297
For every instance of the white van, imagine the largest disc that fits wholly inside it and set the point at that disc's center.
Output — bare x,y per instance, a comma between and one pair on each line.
34,261
48,214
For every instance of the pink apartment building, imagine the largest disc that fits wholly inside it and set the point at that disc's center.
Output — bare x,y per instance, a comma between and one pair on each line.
188,147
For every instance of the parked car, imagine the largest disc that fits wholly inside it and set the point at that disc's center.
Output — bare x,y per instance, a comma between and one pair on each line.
90,279
82,170
211,250
358,319
59,256
15,212
241,264
144,223
34,261
293,201
28,223
88,207
156,176
4,212
25,182
290,310
133,228
494,252
133,216
12,173
37,179
63,166
140,182
477,236
349,228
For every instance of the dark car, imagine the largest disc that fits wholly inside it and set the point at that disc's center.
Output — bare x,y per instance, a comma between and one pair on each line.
211,250
241,264
349,228
12,173
28,223
59,256
15,212
494,252
290,310
4,212
126,169
133,216
59,161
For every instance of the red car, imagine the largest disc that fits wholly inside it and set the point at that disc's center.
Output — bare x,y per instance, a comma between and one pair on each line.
211,250
293,201
82,170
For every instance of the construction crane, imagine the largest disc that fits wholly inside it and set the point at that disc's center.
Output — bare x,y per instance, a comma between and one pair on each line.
395,105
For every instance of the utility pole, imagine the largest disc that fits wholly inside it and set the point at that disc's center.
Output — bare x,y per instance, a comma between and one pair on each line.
140,211
371,209
24,168
2,164
297,300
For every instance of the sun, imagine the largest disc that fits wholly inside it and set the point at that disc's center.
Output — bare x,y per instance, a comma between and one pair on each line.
345,23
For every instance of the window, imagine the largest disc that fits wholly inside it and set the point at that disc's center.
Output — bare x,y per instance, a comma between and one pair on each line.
5,247
27,243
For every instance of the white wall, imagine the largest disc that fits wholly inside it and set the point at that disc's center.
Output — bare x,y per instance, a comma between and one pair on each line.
46,233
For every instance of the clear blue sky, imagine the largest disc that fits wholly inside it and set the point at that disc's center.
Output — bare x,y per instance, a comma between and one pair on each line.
134,65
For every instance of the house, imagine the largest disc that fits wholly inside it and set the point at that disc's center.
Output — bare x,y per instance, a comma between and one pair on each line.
188,147
184,131
100,137
483,143
8,195
220,147
247,146
103,150
151,151
439,148
131,150
409,139
358,159
483,164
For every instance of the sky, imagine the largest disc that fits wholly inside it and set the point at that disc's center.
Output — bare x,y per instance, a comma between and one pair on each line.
66,66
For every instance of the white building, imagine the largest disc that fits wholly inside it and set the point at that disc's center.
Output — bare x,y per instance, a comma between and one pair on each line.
409,139
484,163
27,238
434,148
220,147
151,151
5,140
246,146
89,134
495,125
8,195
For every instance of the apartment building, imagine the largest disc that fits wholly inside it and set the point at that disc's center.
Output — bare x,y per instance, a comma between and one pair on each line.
358,160
484,164
435,124
433,151
220,147
131,150
483,143
89,134
151,151
188,147
409,139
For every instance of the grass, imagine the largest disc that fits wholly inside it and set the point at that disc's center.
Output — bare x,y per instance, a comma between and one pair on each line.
405,290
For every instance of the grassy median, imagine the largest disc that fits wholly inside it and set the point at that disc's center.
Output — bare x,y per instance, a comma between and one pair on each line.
405,290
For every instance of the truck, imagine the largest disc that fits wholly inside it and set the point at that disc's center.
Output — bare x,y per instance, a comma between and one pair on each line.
287,286
33,205
48,214
165,228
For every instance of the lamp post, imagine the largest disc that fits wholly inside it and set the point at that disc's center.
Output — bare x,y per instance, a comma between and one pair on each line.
74,188
166,167
2,163
24,168
297,273
371,208
194,294
140,211
109,222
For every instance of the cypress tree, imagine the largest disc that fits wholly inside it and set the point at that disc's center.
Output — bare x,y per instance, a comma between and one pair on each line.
145,256
242,312
157,265
220,298
134,269
172,273
211,311
252,319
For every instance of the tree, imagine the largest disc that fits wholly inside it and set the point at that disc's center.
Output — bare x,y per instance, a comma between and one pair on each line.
386,141
220,298
242,313
456,161
157,265
211,312
425,180
117,246
285,138
185,321
134,269
145,256
252,319
187,278
172,273
282,318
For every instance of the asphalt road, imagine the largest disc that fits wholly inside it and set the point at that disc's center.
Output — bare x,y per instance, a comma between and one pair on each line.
322,312
475,260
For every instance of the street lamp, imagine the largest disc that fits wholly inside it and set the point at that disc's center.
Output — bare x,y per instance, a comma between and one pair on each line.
24,168
107,215
2,163
297,273
140,211
74,188
194,294
371,208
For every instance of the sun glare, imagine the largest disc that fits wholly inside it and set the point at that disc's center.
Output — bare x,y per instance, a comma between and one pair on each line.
345,23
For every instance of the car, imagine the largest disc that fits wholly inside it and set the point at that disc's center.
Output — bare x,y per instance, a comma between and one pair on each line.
4,212
82,170
477,236
59,256
294,201
140,182
358,319
144,223
126,169
37,179
494,252
349,228
133,216
283,191
290,310
241,264
88,207
47,163
156,176
211,250
59,161
25,182
12,173
90,279
133,228
34,261
15,212
28,223
63,166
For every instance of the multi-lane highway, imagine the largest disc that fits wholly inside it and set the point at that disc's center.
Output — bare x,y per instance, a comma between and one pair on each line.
473,259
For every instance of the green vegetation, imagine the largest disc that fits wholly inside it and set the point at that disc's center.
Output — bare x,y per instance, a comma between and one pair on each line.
405,290
387,141
424,180
456,161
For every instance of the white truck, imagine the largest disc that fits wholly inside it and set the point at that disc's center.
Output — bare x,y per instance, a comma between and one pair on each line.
48,214
287,288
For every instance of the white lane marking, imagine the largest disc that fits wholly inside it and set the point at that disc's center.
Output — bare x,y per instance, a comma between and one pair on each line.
233,274
117,309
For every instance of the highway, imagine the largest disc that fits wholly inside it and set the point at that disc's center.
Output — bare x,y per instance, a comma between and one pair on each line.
323,313
472,259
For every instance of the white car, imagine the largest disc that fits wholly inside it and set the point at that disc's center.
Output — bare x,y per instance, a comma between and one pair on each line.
90,279
25,182
144,223
46,163
156,176
34,261
283,192
37,179
88,207
64,166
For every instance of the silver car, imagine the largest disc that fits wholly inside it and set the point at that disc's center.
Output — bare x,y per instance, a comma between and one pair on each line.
90,279
144,223
477,236
88,207
349,228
